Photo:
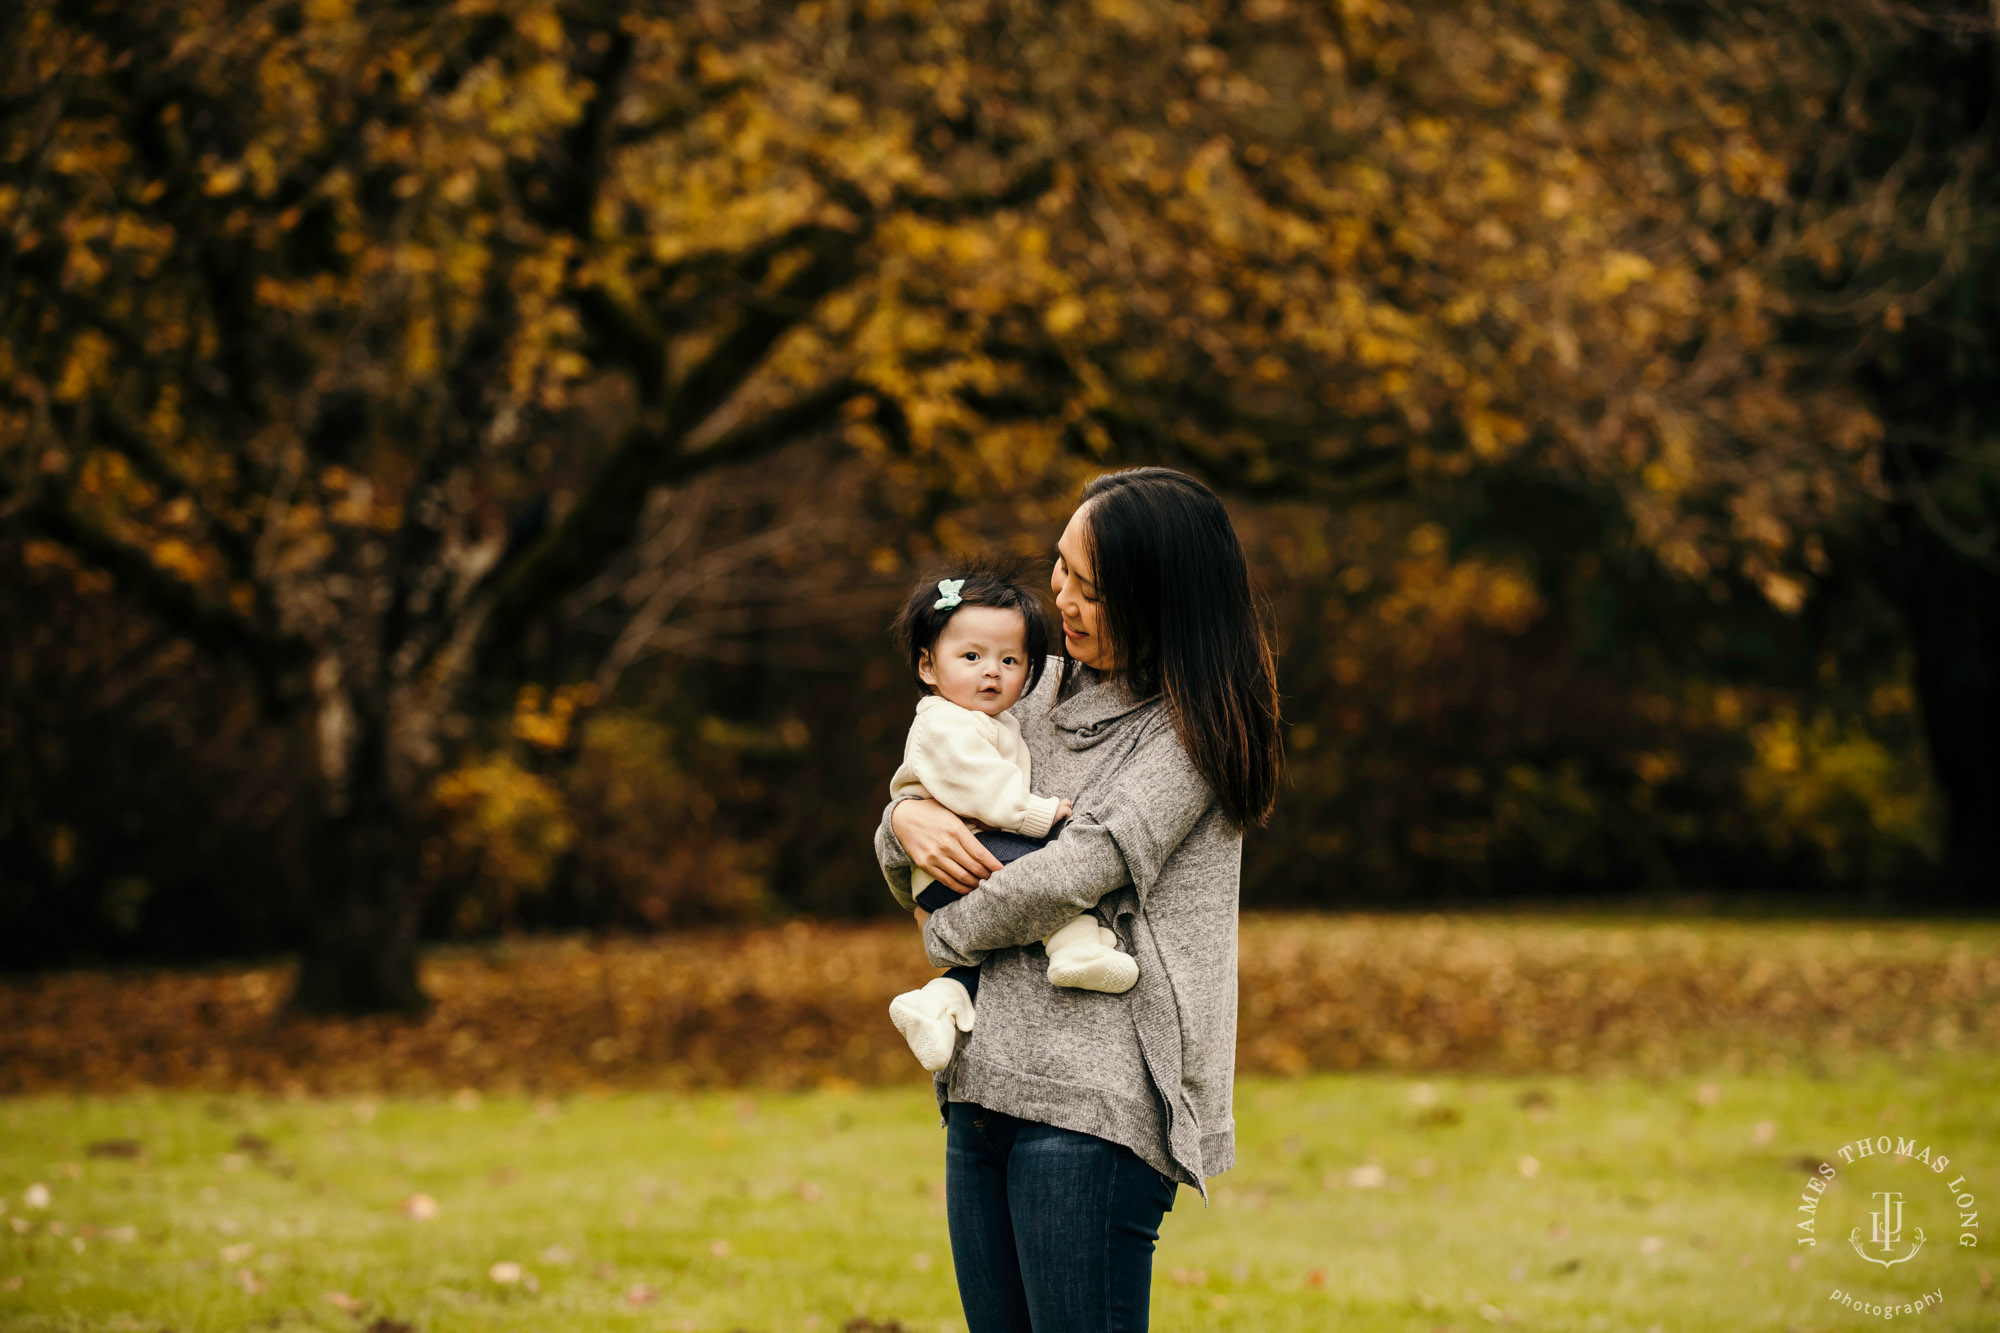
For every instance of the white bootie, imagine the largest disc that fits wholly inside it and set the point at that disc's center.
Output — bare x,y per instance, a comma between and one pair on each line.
930,1020
1084,956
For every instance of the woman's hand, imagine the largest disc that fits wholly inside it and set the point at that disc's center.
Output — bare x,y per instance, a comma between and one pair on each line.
941,845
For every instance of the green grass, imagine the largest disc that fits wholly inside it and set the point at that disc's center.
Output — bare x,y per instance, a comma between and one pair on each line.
805,1211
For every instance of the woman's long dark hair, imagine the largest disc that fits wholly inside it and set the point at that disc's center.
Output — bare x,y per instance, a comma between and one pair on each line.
1175,601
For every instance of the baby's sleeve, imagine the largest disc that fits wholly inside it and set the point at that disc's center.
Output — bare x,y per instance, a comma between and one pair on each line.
958,763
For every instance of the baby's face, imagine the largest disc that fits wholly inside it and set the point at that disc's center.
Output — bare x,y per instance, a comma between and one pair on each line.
981,659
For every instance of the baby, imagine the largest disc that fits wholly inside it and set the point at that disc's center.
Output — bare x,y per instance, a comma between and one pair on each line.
977,644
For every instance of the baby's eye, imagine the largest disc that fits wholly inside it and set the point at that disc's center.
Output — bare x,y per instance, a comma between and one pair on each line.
969,655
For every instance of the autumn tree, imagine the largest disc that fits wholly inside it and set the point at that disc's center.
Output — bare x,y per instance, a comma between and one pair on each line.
1887,245
303,306
358,343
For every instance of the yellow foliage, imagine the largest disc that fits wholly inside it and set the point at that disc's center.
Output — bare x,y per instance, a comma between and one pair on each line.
83,369
179,558
1829,786
500,829
1063,316
1622,268
547,727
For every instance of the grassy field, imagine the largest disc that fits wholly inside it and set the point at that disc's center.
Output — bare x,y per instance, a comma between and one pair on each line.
1363,1202
1444,1123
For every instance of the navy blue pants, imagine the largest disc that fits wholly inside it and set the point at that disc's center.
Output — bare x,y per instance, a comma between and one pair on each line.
1052,1231
1005,847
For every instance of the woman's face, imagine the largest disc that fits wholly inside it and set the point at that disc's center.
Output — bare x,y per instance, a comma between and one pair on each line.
1074,583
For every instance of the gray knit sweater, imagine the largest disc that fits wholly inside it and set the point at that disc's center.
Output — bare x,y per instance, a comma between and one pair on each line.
1150,849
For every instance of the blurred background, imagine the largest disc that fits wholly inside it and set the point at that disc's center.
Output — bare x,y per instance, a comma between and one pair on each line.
457,461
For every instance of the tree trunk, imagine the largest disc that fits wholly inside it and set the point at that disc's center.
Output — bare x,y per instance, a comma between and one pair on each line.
364,897
1951,605
361,957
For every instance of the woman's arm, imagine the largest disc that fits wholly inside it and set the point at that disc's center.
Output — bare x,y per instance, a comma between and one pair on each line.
889,853
920,832
1155,798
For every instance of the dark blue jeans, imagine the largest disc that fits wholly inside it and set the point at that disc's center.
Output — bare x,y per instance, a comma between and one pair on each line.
1052,1231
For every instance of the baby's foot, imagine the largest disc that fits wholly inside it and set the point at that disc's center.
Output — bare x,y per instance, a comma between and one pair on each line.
1084,956
931,1018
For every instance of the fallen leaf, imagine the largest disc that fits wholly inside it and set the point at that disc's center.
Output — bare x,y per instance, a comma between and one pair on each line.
113,1148
1556,991
36,1195
344,1303
419,1207
505,1273
640,1293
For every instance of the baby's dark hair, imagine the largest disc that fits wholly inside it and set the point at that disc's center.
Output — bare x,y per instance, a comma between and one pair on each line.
986,583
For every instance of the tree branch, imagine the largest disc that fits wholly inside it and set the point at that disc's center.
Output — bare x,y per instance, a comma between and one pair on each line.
177,605
604,520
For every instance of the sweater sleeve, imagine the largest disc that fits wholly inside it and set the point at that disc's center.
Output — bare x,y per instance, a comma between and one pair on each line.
1130,832
895,862
958,764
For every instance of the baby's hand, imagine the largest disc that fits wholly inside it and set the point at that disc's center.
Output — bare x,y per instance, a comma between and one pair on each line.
1062,811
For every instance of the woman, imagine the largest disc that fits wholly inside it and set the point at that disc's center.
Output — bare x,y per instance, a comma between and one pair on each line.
1072,1115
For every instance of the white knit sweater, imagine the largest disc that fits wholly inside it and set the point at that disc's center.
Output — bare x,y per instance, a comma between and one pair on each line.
974,765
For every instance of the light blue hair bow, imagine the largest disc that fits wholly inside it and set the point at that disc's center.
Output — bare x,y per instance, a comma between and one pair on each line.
949,587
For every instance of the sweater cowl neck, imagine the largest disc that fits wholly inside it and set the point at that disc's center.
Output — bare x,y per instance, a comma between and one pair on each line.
1096,701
